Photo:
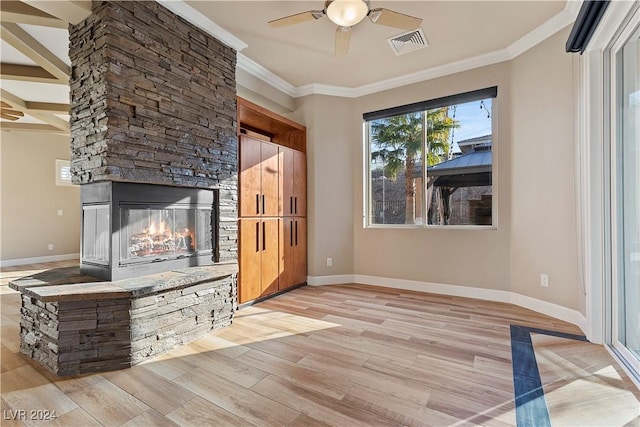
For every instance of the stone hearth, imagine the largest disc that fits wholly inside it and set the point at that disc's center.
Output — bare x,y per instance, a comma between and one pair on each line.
73,325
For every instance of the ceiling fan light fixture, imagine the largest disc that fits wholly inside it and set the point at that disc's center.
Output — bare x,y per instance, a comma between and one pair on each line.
347,13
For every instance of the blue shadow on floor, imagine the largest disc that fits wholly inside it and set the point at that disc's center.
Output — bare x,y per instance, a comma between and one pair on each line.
531,406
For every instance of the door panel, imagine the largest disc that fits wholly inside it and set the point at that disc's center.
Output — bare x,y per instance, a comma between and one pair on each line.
287,179
626,278
250,170
270,256
270,167
293,182
287,254
300,250
250,259
299,183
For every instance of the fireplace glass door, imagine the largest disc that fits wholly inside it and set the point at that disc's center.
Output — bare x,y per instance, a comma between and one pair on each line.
159,234
95,238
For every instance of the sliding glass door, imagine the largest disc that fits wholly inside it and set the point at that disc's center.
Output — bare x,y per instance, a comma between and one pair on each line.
624,297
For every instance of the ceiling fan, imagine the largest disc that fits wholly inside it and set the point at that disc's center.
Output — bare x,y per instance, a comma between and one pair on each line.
7,112
346,14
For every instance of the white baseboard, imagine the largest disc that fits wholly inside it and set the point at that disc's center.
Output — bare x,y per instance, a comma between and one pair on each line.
38,260
330,280
543,307
550,309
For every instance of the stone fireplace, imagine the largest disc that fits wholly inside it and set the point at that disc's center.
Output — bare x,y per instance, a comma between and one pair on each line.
154,148
153,112
131,230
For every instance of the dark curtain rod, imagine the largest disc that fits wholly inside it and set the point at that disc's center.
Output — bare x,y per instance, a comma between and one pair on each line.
476,95
586,23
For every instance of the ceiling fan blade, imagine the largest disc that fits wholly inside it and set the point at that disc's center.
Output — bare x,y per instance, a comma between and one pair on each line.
390,18
343,36
5,105
296,19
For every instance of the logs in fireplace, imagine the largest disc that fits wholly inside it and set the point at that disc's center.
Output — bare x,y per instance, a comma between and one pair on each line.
131,230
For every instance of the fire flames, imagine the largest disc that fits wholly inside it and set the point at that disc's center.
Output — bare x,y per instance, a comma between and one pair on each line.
159,239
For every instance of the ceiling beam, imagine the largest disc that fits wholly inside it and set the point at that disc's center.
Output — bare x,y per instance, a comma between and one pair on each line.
27,73
47,107
10,114
47,117
31,48
71,11
21,13
30,127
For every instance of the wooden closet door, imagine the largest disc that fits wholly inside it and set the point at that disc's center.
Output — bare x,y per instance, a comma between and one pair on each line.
250,171
299,183
300,251
286,181
287,253
270,166
250,277
270,256
293,182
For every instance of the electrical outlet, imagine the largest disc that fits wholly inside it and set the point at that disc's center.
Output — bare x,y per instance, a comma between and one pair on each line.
329,262
50,247
544,280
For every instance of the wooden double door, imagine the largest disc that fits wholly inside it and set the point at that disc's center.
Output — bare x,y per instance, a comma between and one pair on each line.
272,224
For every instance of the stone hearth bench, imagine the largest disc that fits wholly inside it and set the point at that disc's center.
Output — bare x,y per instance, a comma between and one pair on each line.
74,324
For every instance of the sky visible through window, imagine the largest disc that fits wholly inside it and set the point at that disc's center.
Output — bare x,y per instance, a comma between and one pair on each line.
474,121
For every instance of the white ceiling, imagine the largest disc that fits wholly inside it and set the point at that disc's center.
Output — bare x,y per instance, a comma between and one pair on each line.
299,59
302,54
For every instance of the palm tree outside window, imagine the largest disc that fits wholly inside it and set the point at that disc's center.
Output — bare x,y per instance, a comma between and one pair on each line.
432,166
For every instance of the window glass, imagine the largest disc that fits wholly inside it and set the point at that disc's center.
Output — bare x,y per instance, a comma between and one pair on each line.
396,154
451,145
63,172
459,171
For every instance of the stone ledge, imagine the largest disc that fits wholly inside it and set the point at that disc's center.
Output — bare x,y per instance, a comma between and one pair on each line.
87,327
67,284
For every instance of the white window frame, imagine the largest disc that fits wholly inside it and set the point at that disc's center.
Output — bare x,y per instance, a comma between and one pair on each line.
60,166
596,129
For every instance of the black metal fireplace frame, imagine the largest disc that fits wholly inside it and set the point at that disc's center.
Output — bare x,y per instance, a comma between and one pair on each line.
123,194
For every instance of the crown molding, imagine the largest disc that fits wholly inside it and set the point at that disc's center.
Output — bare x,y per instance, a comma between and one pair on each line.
546,30
258,71
407,79
182,9
539,34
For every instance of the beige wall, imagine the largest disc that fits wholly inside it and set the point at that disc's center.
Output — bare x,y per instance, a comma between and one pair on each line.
534,186
330,183
478,258
30,199
543,236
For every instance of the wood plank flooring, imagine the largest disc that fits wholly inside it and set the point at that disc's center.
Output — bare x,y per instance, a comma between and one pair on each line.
345,355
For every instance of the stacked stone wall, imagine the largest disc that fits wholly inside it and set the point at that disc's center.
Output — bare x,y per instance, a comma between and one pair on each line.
168,320
75,337
153,100
78,337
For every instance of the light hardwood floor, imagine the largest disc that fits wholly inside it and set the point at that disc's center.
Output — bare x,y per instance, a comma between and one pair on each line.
346,355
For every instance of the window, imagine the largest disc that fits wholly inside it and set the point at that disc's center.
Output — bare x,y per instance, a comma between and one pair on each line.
63,172
430,163
624,294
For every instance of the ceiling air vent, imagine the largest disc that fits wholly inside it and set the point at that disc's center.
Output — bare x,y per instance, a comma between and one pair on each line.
408,42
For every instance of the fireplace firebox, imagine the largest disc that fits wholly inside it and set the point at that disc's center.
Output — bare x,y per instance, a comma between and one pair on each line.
131,230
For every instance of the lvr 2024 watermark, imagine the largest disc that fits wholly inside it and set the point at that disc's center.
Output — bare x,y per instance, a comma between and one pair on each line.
27,415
